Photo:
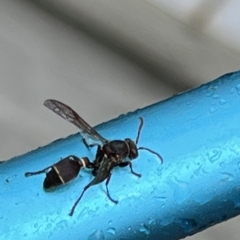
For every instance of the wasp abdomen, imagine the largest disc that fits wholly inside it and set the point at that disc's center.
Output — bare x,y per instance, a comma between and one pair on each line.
64,171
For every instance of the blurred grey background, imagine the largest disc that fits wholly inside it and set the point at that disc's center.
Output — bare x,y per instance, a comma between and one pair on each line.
105,58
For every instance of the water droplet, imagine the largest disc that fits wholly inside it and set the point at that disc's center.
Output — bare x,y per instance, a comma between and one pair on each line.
181,183
97,235
111,230
227,176
159,171
214,155
236,205
59,211
48,227
134,195
129,228
160,198
208,90
197,171
35,225
188,224
151,221
144,228
110,223
238,88
61,224
222,101
213,109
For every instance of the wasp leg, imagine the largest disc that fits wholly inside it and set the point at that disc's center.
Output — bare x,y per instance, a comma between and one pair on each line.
85,143
108,194
28,174
95,171
124,164
78,200
93,182
88,146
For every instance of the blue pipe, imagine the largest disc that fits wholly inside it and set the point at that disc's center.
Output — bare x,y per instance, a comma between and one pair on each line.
198,135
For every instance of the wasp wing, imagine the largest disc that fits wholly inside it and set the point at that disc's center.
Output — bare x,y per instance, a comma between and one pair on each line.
67,113
103,171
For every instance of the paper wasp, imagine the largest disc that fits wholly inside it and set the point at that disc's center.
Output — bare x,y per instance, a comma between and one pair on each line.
109,153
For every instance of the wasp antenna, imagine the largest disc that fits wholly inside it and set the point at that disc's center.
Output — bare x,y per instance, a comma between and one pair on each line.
139,129
153,152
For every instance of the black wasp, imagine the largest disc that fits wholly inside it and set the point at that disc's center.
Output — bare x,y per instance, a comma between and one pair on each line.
109,154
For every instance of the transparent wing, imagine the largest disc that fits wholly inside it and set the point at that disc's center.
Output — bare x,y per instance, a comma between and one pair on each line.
67,113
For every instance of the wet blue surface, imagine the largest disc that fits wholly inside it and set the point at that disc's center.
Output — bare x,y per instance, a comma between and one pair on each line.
198,135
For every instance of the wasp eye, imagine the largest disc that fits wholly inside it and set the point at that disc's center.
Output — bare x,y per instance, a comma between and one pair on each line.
133,152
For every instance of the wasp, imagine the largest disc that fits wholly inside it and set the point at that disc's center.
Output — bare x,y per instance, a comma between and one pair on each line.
110,153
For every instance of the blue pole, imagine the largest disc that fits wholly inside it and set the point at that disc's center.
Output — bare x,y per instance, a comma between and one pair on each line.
198,135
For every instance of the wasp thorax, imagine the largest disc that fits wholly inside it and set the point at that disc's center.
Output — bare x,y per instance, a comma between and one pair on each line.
133,151
116,148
